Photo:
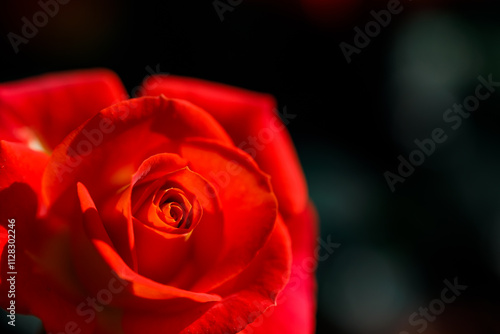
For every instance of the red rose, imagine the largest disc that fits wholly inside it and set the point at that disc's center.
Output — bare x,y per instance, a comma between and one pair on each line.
148,216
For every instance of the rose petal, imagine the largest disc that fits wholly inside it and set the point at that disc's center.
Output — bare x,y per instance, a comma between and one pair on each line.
297,301
13,130
141,128
147,207
191,256
247,201
18,202
20,178
252,123
59,312
18,163
97,263
41,262
168,258
105,151
53,105
255,290
117,212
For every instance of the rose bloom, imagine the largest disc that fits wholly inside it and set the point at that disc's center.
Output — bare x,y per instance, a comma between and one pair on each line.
184,210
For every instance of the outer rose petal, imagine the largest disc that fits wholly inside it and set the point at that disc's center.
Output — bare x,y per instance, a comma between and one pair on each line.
256,290
297,301
20,178
58,310
18,163
13,130
53,105
17,202
105,151
250,120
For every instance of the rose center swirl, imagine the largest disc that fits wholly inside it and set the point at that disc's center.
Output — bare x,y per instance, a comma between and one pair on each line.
169,203
173,207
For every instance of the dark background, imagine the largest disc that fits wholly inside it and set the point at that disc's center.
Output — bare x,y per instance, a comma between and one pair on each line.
353,121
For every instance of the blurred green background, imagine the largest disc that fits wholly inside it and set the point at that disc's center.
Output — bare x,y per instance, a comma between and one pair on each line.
353,122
